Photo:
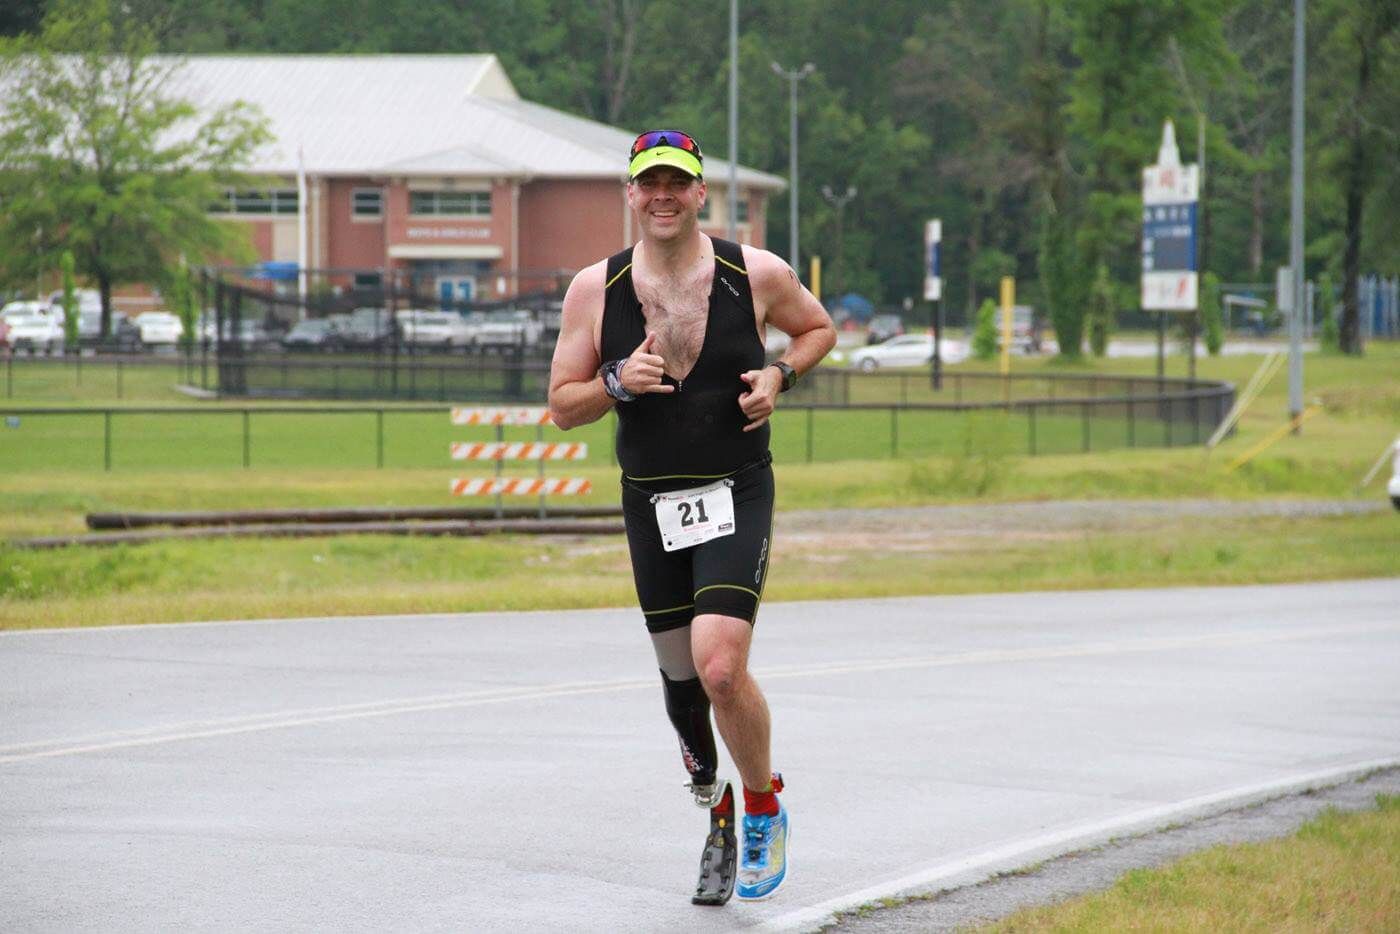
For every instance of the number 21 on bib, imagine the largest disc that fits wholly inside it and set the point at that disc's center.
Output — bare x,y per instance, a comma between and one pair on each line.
689,517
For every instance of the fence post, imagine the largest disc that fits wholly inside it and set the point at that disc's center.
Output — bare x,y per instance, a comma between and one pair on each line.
107,440
1084,409
247,442
379,438
810,410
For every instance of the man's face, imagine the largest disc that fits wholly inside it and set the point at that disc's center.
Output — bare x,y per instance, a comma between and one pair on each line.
667,201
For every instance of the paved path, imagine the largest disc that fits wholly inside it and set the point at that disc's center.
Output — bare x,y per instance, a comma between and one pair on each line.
516,772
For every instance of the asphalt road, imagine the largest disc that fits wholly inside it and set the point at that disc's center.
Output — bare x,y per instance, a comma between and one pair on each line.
516,771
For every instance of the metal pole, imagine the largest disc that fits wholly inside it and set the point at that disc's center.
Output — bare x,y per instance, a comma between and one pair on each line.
794,76
1295,252
732,227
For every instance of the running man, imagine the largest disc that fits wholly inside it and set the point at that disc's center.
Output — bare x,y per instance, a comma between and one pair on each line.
670,332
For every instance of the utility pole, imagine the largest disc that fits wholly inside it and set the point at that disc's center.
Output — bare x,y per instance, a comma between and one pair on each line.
793,77
839,202
733,226
1295,251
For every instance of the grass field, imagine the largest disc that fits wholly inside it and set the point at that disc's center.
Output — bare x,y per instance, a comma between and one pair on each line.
1337,873
161,463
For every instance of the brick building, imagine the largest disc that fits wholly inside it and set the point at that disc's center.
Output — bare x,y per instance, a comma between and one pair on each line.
433,167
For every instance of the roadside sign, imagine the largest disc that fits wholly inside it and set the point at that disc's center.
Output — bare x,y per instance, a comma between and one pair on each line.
933,261
1170,198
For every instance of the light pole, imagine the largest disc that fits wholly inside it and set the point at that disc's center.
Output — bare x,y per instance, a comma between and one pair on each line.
793,77
839,202
733,225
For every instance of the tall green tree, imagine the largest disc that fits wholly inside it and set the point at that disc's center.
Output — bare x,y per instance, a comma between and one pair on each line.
98,157
1357,76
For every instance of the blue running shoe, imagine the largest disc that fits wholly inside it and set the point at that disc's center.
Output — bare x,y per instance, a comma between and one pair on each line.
765,855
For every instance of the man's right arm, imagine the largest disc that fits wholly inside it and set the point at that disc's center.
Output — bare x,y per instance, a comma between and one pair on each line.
576,395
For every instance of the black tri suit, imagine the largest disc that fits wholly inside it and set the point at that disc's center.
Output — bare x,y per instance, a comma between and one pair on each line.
692,437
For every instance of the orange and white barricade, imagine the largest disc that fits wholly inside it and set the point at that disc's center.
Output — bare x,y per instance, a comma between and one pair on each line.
520,486
496,415
500,451
518,451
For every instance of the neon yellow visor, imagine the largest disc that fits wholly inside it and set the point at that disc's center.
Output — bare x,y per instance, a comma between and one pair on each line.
665,155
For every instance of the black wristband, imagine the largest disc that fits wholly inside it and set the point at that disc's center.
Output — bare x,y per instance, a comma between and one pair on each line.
612,381
789,375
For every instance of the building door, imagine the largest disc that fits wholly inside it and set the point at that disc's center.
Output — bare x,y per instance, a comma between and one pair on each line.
454,291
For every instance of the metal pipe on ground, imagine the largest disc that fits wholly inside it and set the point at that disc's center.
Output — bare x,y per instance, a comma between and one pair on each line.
464,528
140,520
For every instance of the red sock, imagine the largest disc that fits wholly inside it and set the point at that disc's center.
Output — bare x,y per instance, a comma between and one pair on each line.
763,802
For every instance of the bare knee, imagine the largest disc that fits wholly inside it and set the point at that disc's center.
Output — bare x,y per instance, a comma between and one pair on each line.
723,675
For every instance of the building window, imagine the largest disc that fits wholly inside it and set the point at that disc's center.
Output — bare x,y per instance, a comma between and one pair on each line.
368,280
367,202
742,217
458,203
276,201
704,214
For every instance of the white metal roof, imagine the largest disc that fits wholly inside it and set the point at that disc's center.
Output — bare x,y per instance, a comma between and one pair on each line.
442,115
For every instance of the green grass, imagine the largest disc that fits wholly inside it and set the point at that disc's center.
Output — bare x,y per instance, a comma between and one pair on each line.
224,579
50,476
1337,873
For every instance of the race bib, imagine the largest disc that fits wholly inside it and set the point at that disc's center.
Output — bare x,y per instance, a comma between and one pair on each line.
689,517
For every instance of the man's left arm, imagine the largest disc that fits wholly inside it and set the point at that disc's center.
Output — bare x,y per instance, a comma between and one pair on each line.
781,301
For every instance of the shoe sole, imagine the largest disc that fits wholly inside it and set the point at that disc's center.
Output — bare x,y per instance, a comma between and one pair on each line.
787,865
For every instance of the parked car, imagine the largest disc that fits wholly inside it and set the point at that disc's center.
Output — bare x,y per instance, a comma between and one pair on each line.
159,328
509,328
904,350
23,308
86,299
249,333
313,334
34,332
883,327
368,327
435,328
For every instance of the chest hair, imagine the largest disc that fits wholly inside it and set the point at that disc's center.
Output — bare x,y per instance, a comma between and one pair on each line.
677,308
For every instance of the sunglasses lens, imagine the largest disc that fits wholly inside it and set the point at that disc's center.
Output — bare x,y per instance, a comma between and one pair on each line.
664,138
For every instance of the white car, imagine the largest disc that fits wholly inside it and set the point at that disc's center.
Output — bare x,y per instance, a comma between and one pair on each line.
509,329
85,299
159,328
434,328
23,309
34,331
907,350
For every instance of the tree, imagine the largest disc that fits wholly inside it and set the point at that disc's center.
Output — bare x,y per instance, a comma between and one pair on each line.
70,304
1103,312
98,158
1327,311
1359,68
985,338
1213,327
1062,280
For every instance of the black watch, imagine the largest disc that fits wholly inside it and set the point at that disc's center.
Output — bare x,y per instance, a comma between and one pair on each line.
612,380
789,375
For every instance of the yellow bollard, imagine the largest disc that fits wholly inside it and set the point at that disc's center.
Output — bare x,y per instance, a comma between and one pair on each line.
815,277
1008,301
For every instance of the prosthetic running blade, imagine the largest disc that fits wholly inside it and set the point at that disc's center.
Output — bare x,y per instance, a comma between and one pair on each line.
720,858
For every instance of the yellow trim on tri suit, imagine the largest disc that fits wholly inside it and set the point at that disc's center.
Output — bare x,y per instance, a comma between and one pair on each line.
618,276
669,609
739,269
756,595
685,476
